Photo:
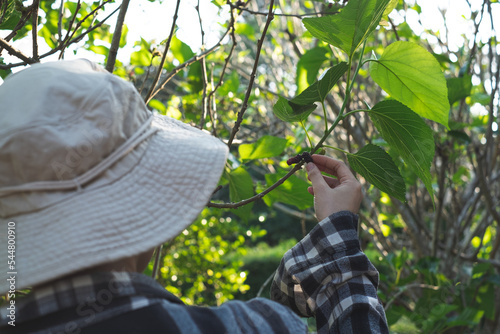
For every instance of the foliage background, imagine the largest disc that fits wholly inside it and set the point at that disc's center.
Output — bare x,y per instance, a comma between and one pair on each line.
439,263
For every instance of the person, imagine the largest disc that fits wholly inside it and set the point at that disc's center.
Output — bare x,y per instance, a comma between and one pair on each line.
91,182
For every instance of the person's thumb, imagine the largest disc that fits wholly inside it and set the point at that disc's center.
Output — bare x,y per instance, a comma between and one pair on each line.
314,175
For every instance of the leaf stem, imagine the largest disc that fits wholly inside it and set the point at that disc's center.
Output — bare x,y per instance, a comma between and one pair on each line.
324,115
307,134
355,111
336,148
360,64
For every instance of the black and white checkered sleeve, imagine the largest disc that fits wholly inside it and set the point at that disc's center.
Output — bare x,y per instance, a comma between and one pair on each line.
326,275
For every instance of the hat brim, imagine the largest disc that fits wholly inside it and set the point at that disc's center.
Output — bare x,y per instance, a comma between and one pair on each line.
152,203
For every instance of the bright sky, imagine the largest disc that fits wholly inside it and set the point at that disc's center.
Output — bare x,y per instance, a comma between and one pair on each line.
151,20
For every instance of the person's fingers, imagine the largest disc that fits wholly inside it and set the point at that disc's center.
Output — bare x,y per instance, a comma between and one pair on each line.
331,181
310,189
315,176
333,167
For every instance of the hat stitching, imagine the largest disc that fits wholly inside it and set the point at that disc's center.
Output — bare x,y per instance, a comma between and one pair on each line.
138,137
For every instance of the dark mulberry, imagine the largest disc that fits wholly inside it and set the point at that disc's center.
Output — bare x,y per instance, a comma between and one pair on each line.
306,156
295,160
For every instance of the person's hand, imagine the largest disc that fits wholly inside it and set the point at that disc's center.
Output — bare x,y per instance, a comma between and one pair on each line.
332,194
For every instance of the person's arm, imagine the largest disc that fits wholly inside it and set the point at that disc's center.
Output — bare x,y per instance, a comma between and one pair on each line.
326,275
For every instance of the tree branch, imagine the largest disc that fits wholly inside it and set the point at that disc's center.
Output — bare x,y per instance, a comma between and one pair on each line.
34,30
152,92
244,107
204,76
117,35
15,52
299,16
259,195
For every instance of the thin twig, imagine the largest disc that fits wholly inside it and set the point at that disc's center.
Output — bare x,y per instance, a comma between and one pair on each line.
405,288
204,77
244,107
117,35
299,16
72,21
25,15
72,39
182,66
156,265
221,77
59,21
34,30
152,92
265,284
15,52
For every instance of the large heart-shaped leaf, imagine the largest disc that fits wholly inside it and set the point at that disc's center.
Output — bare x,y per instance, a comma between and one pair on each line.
411,75
348,29
377,167
408,134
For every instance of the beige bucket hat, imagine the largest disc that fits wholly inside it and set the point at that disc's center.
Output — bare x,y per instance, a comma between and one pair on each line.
89,175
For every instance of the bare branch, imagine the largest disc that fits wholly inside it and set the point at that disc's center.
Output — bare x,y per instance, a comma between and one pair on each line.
223,72
299,16
259,195
182,66
117,35
59,21
15,52
204,77
152,92
34,30
244,107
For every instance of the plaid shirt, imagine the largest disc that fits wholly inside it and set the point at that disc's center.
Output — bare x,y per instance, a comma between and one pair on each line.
325,275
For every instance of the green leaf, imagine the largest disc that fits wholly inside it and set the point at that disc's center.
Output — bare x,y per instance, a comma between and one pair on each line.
140,58
11,17
308,66
231,84
481,98
180,50
290,112
4,73
408,134
219,3
158,105
240,188
293,191
377,167
411,75
123,37
99,49
47,36
390,7
245,29
318,91
458,88
348,29
460,136
143,56
265,147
